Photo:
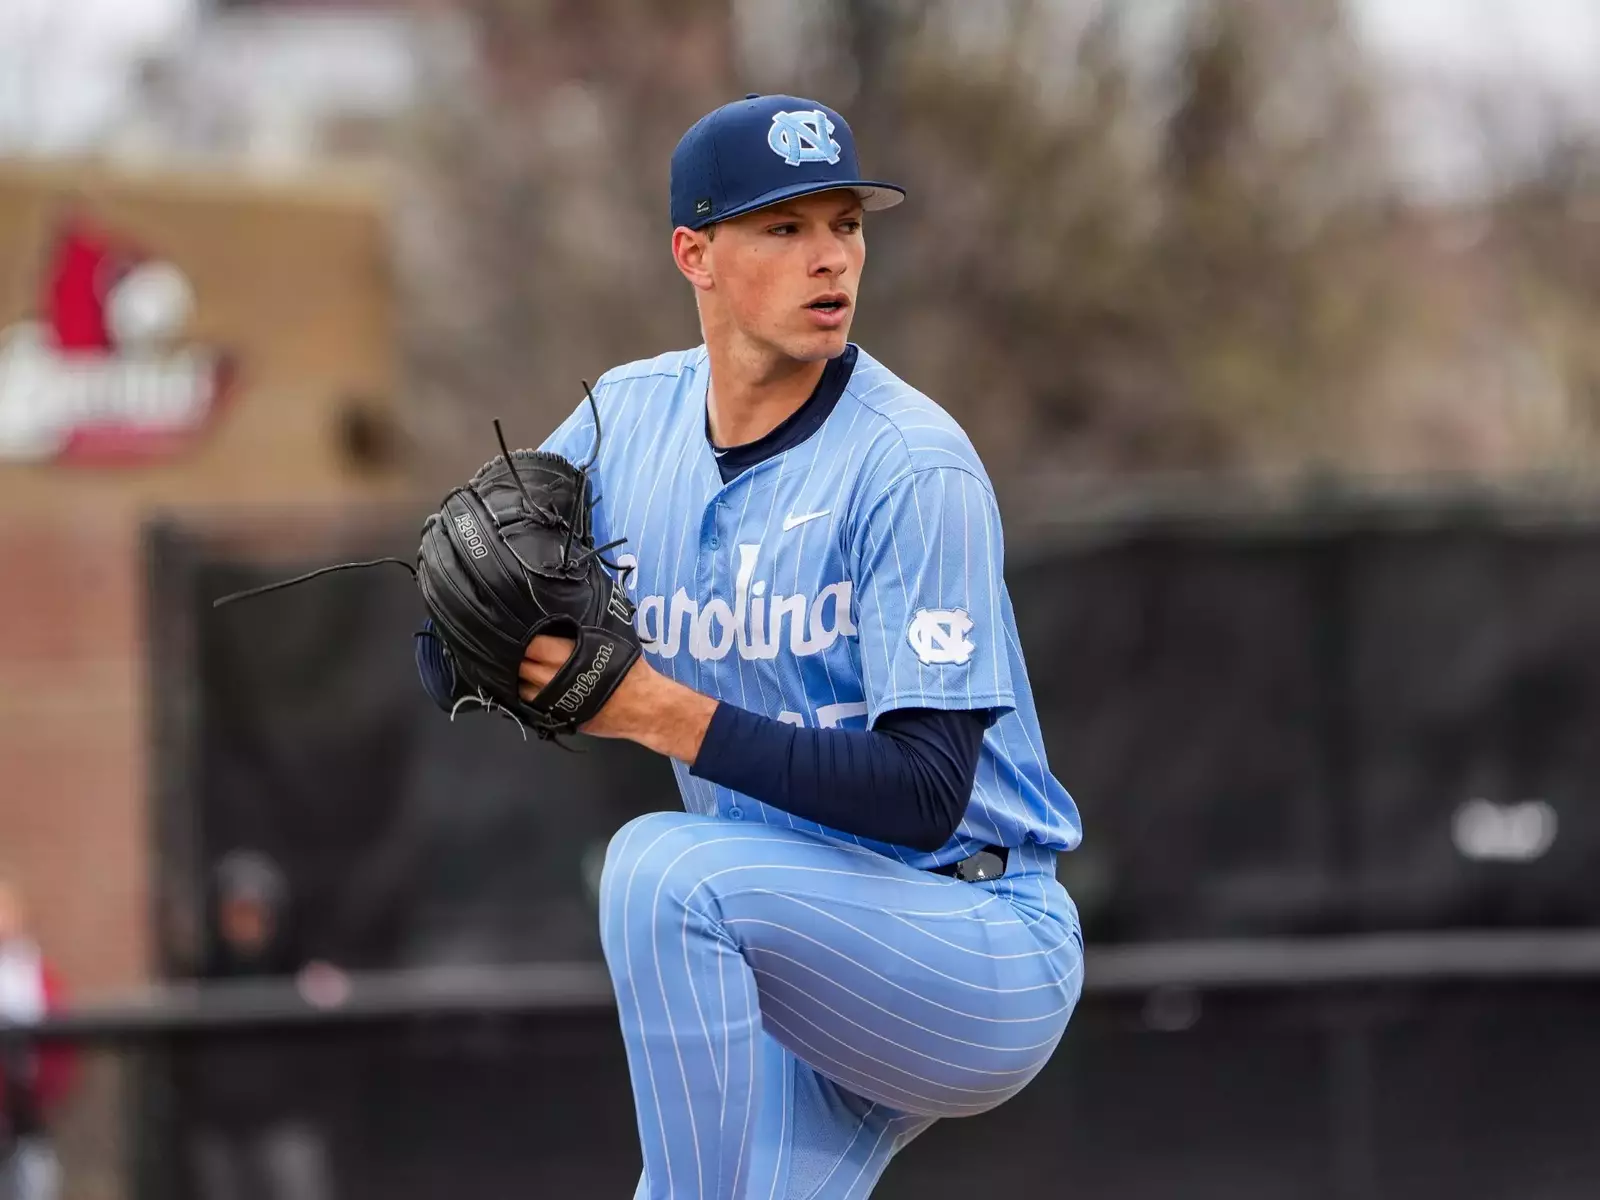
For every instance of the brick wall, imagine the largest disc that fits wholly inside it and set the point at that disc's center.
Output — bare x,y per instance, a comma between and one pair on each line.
71,762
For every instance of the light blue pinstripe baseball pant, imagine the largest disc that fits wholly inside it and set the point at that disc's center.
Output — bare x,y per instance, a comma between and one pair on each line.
797,1009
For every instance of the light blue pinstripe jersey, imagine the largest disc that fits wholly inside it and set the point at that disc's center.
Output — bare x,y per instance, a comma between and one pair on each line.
855,573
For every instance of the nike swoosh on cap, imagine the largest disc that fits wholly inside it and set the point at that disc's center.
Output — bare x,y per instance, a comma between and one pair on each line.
794,522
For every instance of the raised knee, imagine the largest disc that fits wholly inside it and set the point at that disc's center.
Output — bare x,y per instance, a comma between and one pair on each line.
651,851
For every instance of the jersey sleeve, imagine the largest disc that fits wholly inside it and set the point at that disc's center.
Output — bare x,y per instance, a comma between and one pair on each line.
929,596
573,439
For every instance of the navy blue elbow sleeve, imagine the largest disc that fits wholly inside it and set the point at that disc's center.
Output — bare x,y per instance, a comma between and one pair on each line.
434,668
906,782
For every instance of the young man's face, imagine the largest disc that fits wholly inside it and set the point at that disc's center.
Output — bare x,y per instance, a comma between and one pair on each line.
786,276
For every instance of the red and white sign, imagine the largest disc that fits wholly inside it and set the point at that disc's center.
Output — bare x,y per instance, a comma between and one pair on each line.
102,375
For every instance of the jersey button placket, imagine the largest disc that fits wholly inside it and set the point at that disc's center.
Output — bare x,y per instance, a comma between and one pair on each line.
709,527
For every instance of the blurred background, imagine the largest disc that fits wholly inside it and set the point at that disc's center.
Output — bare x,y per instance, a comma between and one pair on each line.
1274,321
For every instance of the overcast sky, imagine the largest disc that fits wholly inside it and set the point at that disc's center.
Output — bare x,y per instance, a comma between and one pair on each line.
63,62
1557,38
1526,59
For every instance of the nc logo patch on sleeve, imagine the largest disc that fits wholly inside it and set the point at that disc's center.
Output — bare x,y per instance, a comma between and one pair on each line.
939,636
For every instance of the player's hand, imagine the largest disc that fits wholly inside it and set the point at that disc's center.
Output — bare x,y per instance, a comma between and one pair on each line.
546,655
647,707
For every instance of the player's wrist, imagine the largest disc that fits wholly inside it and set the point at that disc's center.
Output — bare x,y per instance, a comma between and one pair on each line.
659,713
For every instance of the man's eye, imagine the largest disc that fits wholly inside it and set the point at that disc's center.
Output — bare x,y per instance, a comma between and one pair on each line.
851,226
783,230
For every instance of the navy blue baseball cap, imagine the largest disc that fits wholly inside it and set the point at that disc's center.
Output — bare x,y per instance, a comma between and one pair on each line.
763,149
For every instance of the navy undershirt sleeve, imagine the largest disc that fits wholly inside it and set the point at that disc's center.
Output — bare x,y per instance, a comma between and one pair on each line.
906,781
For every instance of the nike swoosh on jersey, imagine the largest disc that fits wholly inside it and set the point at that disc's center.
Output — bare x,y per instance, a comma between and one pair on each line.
794,522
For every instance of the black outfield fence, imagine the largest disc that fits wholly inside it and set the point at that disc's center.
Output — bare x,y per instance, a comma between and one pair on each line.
1319,1079
1352,711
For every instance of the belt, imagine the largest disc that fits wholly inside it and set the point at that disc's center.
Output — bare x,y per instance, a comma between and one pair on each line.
987,863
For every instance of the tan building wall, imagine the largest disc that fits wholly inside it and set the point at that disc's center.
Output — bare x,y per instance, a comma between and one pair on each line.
294,284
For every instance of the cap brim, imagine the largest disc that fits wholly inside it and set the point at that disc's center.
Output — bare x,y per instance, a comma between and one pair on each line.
874,195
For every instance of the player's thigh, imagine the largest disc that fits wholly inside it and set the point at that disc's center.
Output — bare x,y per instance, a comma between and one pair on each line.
910,989
942,1002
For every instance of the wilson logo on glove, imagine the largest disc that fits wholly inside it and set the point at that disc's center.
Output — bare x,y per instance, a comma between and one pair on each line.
549,578
579,691
621,607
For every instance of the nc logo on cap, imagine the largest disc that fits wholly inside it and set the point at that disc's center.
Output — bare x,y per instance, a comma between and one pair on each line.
798,137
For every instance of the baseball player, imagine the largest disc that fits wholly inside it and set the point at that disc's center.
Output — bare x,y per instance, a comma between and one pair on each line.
856,927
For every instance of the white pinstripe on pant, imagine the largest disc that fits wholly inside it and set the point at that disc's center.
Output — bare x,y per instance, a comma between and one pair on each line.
796,1009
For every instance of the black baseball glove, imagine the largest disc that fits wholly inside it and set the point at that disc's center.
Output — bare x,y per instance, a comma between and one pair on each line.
507,557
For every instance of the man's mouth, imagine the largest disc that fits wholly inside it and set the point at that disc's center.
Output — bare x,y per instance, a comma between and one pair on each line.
830,303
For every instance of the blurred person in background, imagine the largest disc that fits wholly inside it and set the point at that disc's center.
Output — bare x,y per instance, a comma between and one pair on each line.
252,1133
33,1081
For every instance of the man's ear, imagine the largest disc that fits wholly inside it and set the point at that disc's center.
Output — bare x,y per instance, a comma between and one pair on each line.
691,250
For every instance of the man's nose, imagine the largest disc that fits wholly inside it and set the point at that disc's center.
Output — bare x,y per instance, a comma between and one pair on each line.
829,256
